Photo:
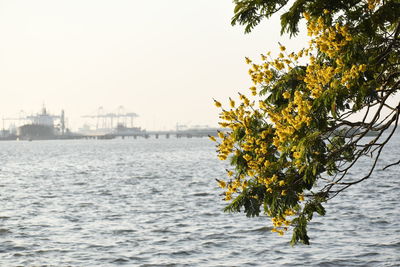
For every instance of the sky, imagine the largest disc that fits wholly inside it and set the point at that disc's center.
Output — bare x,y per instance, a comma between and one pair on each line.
164,60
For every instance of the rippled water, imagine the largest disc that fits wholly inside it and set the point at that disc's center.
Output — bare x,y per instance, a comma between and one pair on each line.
155,203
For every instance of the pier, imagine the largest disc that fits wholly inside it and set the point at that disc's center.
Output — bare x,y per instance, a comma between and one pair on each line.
190,133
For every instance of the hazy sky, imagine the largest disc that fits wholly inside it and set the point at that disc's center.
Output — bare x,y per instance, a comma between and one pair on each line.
163,59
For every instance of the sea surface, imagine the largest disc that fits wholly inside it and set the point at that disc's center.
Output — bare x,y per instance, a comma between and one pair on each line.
155,202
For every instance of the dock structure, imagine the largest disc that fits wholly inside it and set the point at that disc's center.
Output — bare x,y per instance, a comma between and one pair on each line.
190,133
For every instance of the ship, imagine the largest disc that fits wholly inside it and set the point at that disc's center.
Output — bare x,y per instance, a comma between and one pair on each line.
43,126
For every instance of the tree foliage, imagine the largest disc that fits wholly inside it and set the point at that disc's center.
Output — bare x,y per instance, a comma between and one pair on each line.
292,151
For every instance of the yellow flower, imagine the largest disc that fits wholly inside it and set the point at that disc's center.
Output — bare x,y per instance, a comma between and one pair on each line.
289,212
296,155
373,3
222,157
362,68
306,16
217,104
281,183
247,157
232,103
212,138
284,193
282,48
262,104
286,95
221,183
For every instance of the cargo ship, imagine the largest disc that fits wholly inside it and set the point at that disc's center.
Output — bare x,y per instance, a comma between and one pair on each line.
41,126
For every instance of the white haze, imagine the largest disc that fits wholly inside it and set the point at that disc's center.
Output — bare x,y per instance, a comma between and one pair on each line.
164,60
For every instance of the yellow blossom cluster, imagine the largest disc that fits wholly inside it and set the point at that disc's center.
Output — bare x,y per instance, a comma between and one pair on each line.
233,187
281,223
329,40
290,119
295,115
253,148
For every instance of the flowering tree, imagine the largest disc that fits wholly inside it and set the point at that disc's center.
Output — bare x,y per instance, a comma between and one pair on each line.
292,151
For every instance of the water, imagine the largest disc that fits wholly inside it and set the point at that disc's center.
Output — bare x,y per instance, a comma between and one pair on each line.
156,203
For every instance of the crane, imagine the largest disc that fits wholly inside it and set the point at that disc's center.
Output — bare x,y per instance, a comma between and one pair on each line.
106,120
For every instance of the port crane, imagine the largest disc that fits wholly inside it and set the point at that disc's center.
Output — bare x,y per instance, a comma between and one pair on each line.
107,120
